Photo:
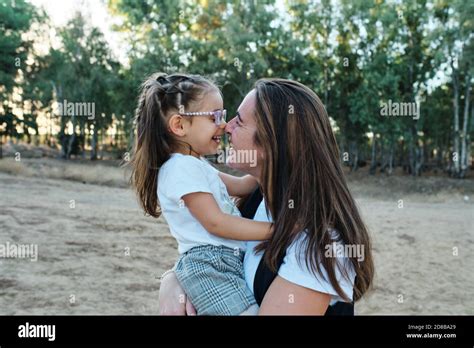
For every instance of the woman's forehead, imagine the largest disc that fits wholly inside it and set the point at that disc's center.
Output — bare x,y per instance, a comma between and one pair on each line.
247,107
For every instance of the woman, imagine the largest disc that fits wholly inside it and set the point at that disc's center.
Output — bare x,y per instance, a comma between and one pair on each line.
296,271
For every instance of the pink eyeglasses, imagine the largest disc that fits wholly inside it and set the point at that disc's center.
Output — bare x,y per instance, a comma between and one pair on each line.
219,115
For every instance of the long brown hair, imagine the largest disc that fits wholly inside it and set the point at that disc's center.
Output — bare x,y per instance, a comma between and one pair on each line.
303,182
160,96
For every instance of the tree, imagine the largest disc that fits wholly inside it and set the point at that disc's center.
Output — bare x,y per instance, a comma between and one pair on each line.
16,17
455,37
84,73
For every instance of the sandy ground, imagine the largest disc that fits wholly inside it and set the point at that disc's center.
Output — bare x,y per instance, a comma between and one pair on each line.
98,254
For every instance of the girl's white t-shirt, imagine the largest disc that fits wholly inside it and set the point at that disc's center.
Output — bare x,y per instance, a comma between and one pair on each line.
294,269
179,176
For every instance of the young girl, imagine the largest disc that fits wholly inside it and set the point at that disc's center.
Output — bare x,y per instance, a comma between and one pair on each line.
179,119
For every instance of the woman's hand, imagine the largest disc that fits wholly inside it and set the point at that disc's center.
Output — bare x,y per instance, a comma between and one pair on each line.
171,299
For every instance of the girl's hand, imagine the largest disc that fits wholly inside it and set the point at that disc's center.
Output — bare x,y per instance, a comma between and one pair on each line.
239,186
171,298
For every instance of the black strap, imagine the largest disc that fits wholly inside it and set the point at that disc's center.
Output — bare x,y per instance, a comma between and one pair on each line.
264,276
340,308
251,205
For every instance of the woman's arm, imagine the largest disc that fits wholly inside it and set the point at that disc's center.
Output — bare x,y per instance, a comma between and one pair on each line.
239,186
286,298
204,208
171,299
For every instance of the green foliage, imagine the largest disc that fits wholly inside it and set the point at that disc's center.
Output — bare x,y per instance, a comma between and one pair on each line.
16,17
355,54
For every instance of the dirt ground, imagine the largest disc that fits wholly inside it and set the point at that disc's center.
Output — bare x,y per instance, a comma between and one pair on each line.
98,253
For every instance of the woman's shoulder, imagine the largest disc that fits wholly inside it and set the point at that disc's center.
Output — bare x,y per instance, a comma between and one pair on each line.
302,239
296,268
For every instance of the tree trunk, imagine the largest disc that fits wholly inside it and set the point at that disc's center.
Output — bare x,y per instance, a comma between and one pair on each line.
62,139
356,160
72,138
468,153
341,150
468,139
383,157
373,161
439,158
464,134
58,95
390,159
70,145
411,155
131,139
100,140
82,139
354,156
94,145
456,122
419,159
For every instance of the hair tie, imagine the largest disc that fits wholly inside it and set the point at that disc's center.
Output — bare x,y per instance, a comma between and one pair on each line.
162,80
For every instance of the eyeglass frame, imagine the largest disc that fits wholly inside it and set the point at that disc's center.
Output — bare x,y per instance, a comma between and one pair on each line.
217,119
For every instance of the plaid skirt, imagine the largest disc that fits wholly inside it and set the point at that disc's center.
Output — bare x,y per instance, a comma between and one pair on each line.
213,279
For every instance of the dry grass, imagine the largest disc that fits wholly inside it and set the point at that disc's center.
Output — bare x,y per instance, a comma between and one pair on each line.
111,173
92,173
11,166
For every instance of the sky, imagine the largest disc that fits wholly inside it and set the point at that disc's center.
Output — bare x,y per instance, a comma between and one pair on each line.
60,11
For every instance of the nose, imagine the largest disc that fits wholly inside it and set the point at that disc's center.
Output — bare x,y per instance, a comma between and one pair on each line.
222,124
229,127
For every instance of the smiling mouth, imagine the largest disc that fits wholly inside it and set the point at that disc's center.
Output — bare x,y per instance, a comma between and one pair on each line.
217,138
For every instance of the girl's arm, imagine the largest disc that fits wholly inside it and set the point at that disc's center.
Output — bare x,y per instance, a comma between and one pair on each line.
204,208
239,187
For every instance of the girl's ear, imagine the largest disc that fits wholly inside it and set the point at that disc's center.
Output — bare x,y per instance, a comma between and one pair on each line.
176,125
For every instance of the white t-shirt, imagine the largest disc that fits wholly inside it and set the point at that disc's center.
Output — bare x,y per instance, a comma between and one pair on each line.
179,176
294,271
